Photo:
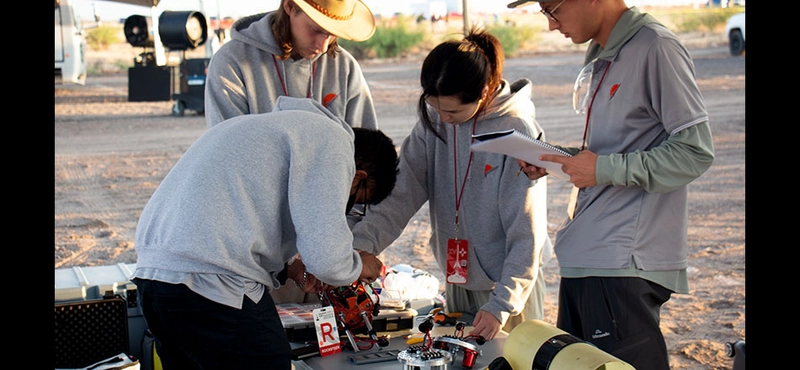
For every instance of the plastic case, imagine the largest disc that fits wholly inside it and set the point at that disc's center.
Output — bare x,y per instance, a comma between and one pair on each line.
89,284
89,331
298,320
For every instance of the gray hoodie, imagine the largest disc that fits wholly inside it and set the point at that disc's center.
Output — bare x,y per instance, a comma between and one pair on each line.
247,196
502,216
245,76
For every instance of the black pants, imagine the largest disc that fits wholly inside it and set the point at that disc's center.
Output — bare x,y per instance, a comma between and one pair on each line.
193,332
619,315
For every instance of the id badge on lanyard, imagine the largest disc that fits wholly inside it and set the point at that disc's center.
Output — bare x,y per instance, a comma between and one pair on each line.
458,249
457,261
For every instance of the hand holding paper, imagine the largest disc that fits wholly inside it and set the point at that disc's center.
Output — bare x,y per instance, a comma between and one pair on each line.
532,171
580,168
521,146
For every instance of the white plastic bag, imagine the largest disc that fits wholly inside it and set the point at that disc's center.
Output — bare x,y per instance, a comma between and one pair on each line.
407,283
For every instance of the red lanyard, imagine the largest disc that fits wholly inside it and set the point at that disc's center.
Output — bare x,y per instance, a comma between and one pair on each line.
280,77
458,194
591,102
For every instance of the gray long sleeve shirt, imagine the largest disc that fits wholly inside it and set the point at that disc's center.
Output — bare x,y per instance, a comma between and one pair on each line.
245,197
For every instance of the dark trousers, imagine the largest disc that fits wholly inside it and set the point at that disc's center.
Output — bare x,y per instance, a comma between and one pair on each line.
193,332
619,315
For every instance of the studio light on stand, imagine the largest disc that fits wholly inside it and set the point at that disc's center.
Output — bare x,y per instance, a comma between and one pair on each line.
179,79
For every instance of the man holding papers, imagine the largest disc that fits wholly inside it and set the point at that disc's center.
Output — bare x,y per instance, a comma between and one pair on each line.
623,251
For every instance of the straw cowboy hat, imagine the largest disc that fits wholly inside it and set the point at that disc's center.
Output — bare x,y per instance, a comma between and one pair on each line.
348,19
517,4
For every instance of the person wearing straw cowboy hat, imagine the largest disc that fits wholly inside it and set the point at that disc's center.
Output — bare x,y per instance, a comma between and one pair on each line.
293,51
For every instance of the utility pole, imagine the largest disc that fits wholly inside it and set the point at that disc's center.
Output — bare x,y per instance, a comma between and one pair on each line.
465,15
203,8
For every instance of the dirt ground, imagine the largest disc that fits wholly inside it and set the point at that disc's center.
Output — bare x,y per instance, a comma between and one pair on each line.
111,154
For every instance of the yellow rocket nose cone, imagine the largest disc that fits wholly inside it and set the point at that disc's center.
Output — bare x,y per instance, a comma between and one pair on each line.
555,349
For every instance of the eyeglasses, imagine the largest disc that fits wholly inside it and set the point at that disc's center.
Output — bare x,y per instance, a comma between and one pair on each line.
358,209
549,13
580,91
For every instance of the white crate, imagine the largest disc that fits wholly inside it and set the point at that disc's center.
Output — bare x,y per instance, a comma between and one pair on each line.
86,283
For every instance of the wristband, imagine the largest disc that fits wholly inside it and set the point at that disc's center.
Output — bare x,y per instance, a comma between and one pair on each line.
305,278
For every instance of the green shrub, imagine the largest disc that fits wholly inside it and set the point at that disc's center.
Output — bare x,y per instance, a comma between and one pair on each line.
92,69
700,20
101,37
388,41
512,38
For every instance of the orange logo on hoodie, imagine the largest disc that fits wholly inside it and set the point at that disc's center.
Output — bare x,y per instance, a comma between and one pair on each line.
613,91
327,99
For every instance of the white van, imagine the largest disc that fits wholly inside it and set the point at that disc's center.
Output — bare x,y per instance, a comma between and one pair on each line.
734,29
70,46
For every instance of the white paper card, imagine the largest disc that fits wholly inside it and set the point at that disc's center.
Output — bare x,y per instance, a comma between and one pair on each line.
327,332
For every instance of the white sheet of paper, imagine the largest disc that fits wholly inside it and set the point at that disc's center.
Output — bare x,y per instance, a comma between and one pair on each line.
521,146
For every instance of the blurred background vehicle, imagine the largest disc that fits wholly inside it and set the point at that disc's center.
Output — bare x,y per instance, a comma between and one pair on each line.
734,28
70,57
724,3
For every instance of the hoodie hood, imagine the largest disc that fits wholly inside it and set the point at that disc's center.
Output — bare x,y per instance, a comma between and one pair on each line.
309,105
628,25
255,30
512,99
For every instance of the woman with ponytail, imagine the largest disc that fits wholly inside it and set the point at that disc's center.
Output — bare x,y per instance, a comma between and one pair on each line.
489,226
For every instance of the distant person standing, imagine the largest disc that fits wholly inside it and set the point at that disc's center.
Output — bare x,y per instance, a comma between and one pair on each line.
293,51
623,249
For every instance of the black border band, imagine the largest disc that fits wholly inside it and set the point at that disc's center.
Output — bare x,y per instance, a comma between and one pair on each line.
550,348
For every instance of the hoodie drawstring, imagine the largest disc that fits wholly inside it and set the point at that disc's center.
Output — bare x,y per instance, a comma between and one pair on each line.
283,84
